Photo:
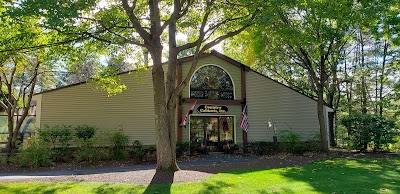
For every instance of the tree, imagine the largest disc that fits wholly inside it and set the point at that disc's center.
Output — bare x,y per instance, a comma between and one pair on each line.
18,79
372,55
18,72
25,66
150,24
310,43
303,38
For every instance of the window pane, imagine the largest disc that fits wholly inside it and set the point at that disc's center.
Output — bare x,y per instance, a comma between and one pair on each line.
27,126
197,94
211,82
3,124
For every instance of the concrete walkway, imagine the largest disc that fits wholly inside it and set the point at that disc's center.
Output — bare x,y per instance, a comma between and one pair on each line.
205,160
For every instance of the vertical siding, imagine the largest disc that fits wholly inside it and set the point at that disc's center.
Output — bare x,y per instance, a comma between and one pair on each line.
83,104
232,70
290,110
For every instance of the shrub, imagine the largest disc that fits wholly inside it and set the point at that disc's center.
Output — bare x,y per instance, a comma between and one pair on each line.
34,152
3,160
87,152
290,142
138,151
182,149
314,144
119,142
366,129
395,146
264,147
85,131
150,152
235,147
59,136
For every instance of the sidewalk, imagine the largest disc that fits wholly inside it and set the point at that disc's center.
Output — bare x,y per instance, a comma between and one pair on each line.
205,160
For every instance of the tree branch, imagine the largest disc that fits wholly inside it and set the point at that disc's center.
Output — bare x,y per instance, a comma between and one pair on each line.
200,51
134,20
178,13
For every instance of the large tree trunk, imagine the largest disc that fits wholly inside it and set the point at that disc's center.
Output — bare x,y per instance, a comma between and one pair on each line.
165,143
331,119
321,120
320,104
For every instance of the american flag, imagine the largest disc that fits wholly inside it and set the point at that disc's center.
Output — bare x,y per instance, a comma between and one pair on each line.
244,123
187,113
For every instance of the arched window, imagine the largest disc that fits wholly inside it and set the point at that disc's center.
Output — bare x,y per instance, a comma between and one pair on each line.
211,82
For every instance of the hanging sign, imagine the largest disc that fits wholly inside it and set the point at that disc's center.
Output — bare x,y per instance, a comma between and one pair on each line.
206,108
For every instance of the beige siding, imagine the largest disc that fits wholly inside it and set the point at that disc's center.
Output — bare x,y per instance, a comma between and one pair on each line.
232,70
83,104
271,101
234,110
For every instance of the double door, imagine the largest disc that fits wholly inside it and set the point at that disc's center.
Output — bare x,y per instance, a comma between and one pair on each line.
212,132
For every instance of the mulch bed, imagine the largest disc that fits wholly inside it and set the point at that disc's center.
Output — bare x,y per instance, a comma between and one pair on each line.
186,174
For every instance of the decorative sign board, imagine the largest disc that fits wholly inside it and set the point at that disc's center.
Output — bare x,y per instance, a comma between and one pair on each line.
207,108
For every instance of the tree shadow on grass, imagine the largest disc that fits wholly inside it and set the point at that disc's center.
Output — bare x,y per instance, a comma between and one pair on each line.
45,189
70,187
160,183
351,175
214,187
282,190
112,188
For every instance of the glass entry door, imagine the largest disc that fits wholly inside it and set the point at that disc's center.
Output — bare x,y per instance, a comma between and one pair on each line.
211,132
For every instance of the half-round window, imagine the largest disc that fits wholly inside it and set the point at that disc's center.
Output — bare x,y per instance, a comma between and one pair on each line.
211,82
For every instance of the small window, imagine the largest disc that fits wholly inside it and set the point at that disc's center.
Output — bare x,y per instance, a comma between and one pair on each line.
211,82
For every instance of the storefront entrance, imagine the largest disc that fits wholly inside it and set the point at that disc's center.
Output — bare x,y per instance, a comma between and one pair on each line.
215,133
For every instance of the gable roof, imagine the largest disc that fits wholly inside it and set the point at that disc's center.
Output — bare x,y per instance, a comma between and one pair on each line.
205,55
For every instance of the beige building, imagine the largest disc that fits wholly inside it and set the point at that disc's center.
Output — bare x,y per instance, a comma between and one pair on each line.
219,88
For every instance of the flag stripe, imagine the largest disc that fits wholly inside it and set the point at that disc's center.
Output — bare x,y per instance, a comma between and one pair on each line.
187,113
244,122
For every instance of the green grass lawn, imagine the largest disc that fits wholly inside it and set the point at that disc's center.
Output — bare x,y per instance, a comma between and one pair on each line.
327,176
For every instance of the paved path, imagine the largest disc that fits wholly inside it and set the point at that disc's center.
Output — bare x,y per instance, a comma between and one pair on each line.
206,160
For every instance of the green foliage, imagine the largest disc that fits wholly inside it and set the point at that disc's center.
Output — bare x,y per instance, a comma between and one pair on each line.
264,147
138,151
119,142
366,129
34,152
88,153
3,160
314,144
59,136
86,150
109,81
395,146
150,152
290,142
85,132
182,149
235,147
